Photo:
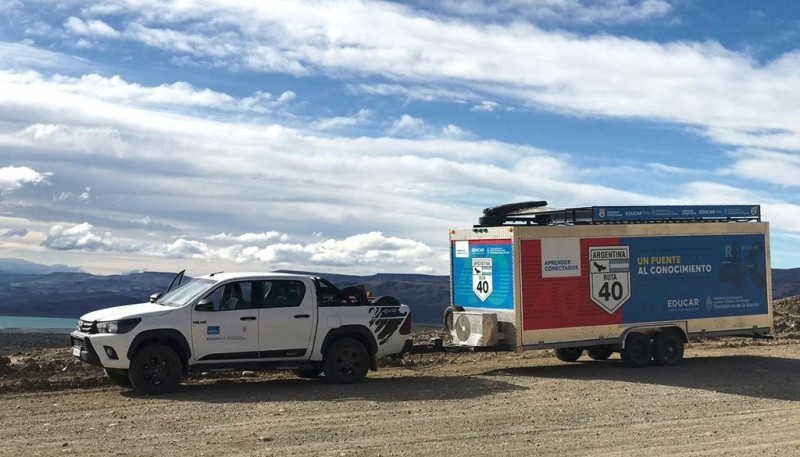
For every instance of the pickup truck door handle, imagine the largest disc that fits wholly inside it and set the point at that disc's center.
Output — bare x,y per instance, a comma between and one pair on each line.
301,316
247,318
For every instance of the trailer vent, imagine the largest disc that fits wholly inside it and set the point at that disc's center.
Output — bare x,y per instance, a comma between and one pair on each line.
474,329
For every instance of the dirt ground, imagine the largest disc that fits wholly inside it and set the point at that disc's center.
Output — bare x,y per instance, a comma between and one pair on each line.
729,397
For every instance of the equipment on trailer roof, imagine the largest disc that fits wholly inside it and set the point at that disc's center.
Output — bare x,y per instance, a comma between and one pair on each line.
537,213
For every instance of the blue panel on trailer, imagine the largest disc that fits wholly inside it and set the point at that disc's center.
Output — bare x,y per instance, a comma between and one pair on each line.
693,277
483,274
668,213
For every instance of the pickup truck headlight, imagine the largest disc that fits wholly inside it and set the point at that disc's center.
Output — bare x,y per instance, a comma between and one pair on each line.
120,326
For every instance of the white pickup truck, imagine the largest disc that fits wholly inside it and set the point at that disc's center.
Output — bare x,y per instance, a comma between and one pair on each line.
244,321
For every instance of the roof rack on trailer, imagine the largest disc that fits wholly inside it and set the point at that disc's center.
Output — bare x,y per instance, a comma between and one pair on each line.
537,213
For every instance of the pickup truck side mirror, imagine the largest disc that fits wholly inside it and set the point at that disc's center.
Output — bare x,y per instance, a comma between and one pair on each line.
155,297
204,305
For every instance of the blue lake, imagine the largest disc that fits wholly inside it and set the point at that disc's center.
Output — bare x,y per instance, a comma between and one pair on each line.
25,322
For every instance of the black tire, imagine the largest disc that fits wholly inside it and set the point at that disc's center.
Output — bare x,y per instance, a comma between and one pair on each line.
355,296
118,377
155,369
447,318
637,351
386,300
667,348
308,373
569,354
346,361
600,352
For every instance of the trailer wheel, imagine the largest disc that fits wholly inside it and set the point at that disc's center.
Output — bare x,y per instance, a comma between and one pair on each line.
667,348
637,351
447,319
569,354
600,352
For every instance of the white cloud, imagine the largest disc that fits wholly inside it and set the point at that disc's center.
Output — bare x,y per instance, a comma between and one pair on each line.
116,90
24,55
338,122
485,106
251,237
86,194
663,168
376,183
562,11
13,178
182,249
208,161
770,166
80,237
95,140
92,28
369,248
63,196
21,232
598,75
372,248
454,131
415,92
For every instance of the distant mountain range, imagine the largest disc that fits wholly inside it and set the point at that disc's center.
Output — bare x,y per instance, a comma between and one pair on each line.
72,294
20,266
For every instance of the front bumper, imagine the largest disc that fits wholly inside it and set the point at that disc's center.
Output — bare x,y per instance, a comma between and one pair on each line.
94,348
82,348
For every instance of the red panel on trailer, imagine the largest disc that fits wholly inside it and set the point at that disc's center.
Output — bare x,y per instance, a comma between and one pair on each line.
561,301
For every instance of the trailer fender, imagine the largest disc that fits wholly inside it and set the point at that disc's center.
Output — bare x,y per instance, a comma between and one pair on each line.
651,330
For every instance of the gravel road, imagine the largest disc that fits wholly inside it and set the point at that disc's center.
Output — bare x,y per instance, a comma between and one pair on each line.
726,399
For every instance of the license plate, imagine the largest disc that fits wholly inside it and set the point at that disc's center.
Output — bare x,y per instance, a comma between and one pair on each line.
76,351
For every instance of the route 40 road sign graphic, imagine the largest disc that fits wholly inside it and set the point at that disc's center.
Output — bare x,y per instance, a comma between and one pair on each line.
482,277
610,276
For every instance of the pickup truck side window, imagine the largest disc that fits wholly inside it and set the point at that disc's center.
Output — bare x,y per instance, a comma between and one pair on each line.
232,296
283,293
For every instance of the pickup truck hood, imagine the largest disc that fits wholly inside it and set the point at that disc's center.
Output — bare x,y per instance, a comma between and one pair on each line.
127,312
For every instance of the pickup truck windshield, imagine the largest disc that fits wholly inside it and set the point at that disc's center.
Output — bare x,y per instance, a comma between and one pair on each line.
186,293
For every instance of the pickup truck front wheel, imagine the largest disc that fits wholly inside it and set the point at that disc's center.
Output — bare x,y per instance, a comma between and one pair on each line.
155,369
346,361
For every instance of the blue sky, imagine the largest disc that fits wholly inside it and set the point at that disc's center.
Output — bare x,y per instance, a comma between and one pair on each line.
349,136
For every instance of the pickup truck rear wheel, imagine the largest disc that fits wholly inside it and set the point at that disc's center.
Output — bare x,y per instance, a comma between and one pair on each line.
118,377
155,369
308,373
346,361
569,354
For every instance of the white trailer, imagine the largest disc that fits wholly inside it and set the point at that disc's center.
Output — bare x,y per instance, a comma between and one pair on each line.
639,280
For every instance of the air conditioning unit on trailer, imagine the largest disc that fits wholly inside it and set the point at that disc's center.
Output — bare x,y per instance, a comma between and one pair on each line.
474,329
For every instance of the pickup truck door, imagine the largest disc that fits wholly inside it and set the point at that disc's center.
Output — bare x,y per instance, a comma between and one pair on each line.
225,327
286,319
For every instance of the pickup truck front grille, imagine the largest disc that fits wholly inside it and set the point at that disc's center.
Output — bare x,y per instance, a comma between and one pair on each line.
87,326
78,343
